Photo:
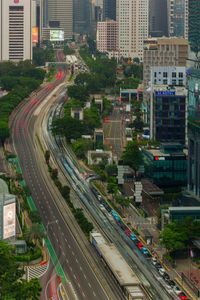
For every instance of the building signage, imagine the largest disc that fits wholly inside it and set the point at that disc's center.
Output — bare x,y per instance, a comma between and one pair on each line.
165,93
56,35
34,34
16,1
9,220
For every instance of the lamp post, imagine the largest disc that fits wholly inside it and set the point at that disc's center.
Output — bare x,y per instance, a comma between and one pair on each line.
50,223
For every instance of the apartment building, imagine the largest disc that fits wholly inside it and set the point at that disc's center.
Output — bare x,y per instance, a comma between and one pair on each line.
132,16
15,30
107,36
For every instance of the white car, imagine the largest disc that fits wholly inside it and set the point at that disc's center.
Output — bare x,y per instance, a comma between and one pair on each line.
177,290
161,271
154,261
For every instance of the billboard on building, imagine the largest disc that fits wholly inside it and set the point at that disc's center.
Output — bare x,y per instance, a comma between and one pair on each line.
34,34
9,220
56,35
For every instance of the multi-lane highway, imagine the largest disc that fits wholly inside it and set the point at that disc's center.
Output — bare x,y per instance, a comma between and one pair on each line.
48,200
142,267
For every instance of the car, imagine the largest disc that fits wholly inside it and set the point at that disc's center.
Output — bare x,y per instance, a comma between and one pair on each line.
167,286
133,237
171,283
136,241
158,266
166,277
154,261
182,296
177,290
161,271
102,207
139,245
145,251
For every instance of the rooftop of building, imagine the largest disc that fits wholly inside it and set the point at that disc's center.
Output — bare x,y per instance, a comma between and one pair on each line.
166,41
167,150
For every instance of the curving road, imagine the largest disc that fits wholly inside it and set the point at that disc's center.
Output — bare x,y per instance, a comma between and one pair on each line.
47,198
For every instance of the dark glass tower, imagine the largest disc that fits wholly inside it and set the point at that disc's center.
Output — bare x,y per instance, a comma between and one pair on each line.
81,16
109,9
194,25
158,25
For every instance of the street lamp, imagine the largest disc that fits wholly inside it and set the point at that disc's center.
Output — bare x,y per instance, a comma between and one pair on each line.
50,223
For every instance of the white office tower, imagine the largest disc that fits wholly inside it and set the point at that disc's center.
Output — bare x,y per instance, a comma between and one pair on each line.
15,30
60,15
132,16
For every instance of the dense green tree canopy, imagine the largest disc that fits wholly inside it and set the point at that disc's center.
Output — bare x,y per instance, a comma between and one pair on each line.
12,286
132,156
20,80
178,235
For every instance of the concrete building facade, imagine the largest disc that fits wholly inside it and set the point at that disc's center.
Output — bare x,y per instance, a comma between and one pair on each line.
15,30
60,15
107,36
174,76
132,16
163,52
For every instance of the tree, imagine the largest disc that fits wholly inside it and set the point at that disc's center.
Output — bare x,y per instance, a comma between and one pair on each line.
178,235
47,156
65,191
123,201
91,119
35,217
111,170
68,127
35,233
173,239
132,156
54,174
81,146
12,286
78,92
112,186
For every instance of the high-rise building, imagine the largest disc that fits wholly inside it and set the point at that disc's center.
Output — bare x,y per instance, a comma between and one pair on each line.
178,18
194,25
194,131
163,52
81,16
60,15
15,30
168,113
109,9
133,23
158,18
107,36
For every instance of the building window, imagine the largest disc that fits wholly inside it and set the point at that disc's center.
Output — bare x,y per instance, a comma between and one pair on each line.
180,75
173,74
165,74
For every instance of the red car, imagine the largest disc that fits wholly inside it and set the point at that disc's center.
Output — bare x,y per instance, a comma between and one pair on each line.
140,245
128,232
183,296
